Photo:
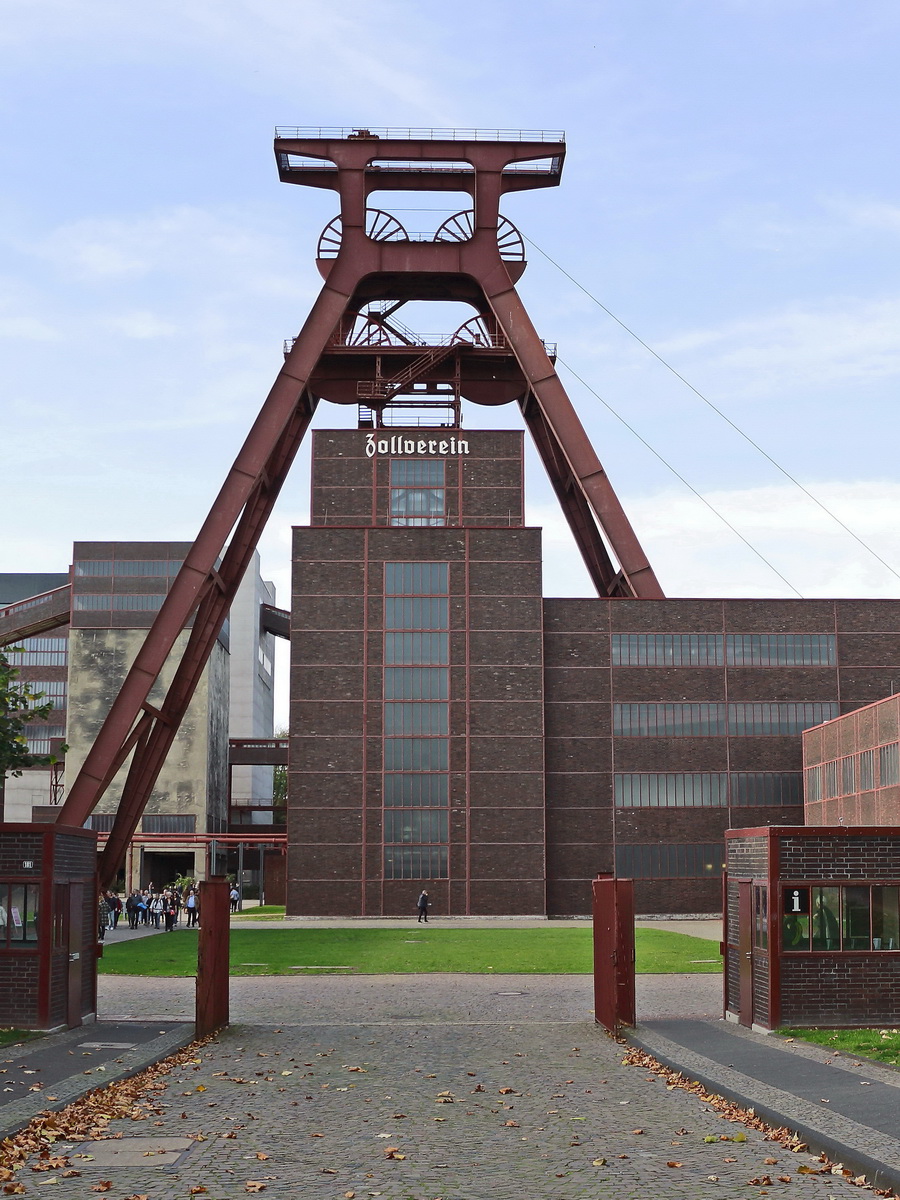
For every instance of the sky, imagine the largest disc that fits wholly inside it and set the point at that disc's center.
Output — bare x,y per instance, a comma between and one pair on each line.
731,194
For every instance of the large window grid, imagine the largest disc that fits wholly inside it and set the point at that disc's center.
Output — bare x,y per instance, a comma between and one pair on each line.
731,649
121,602
849,917
416,720
716,789
718,719
40,736
418,491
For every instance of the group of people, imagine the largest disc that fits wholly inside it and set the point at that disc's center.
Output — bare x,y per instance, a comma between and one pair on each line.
161,909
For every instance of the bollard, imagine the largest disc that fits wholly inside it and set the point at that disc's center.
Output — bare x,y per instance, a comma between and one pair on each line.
212,957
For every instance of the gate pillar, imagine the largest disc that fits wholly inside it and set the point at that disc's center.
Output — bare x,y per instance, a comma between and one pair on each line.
212,956
613,912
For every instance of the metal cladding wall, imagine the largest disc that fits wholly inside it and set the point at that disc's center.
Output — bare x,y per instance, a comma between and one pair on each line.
545,767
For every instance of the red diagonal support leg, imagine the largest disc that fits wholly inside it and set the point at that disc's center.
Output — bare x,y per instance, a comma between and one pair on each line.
240,510
560,427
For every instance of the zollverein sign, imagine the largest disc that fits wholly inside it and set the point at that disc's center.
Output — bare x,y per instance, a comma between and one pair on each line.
397,446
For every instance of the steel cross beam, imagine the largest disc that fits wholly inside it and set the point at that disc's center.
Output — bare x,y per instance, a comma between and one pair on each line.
363,268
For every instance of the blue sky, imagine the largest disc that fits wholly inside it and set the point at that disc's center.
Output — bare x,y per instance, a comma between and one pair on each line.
730,193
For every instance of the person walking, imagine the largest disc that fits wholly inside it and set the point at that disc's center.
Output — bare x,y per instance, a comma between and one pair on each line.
102,916
422,907
234,896
193,907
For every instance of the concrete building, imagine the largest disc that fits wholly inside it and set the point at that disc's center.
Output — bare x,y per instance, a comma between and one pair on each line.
99,613
452,728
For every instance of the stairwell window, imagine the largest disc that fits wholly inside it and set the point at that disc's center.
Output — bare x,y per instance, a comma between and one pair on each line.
418,491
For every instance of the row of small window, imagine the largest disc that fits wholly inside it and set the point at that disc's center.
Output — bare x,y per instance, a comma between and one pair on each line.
717,789
416,862
412,648
151,822
416,754
730,649
416,579
670,862
91,602
859,917
41,652
417,612
417,719
39,737
417,827
854,773
52,691
408,790
165,567
718,719
416,683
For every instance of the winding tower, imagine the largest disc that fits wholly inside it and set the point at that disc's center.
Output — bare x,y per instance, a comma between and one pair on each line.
353,349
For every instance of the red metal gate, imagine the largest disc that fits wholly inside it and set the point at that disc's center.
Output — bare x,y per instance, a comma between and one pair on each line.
613,952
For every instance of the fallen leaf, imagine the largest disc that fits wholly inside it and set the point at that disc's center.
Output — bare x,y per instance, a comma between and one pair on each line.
255,1185
784,1178
672,1163
196,1189
637,1131
512,1124
262,1157
102,1185
599,1162
770,1162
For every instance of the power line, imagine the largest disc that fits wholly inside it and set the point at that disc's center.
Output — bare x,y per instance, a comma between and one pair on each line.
687,383
680,477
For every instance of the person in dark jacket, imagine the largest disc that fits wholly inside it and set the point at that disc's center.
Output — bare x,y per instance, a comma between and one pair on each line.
422,906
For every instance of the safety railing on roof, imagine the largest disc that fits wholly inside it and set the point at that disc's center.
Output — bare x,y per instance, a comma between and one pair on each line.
435,135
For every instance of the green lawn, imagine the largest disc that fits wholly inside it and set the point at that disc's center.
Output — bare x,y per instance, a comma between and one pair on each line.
880,1044
11,1036
418,949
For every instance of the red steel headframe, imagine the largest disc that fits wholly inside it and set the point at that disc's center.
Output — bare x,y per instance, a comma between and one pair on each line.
364,268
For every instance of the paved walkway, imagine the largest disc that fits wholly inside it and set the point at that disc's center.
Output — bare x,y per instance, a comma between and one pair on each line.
423,1087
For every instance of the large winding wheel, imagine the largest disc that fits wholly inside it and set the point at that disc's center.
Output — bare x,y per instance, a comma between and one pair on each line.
461,226
380,227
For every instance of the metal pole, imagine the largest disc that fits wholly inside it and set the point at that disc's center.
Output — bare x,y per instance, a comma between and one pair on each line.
240,877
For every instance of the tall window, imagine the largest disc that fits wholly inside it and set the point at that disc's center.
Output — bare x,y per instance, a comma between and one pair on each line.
417,491
416,719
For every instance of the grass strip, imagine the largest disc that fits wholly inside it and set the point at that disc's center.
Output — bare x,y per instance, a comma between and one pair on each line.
883,1045
417,950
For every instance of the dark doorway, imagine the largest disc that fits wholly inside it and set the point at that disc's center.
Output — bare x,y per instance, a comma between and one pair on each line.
160,867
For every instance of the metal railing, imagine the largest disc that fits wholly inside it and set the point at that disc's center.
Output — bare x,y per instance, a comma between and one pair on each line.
435,135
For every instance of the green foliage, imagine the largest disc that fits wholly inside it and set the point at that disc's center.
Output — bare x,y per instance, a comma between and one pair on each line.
280,786
19,706
416,949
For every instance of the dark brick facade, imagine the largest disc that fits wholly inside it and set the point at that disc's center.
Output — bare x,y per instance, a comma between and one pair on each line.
534,690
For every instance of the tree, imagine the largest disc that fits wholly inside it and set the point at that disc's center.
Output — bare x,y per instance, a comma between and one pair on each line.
280,786
19,706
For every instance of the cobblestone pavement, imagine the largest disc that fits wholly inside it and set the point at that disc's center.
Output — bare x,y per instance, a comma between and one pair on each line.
411,1092
263,999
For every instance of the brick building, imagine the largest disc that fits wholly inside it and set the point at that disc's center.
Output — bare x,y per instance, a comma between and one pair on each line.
452,728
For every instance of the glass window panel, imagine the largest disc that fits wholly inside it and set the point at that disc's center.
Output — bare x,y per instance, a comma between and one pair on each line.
417,506
416,825
416,648
781,649
417,612
831,779
138,603
671,790
144,567
416,791
747,720
416,754
40,652
416,683
826,932
39,737
412,472
91,602
416,579
415,862
22,917
766,788
855,918
885,918
866,770
668,720
93,567
795,925
169,823
888,764
814,783
669,861
667,650
416,718
848,775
